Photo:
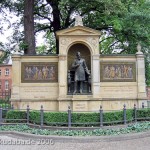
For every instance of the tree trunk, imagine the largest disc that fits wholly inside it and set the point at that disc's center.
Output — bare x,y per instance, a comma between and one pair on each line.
55,24
29,38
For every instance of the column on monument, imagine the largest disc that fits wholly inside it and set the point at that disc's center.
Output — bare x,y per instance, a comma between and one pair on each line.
16,77
62,76
96,76
141,76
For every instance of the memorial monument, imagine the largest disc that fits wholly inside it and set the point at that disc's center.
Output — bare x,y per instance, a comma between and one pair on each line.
79,76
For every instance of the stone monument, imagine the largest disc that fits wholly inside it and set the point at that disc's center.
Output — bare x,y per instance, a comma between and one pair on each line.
110,80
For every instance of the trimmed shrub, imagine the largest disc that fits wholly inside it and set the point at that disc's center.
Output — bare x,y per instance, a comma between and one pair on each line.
78,119
56,118
50,118
4,101
130,115
85,119
16,116
34,117
113,117
5,106
143,114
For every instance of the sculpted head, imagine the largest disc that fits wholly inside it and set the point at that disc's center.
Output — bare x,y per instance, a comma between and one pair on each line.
78,54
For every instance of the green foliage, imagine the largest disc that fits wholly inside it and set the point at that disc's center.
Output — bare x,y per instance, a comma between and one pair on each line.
34,117
5,105
85,119
126,21
23,46
137,127
49,45
130,115
147,71
113,116
2,101
143,114
78,119
4,55
15,116
50,118
55,118
127,27
116,117
93,119
41,49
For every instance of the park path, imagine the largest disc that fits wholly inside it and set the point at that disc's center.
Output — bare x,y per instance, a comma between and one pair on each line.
136,141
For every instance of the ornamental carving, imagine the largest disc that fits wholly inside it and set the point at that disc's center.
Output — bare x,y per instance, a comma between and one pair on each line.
93,42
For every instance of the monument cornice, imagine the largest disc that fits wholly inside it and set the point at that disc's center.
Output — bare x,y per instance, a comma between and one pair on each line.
76,31
62,57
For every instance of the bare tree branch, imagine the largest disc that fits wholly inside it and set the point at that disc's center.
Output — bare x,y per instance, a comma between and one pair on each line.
43,28
43,16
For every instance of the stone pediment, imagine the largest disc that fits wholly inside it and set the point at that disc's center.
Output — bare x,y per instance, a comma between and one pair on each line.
78,30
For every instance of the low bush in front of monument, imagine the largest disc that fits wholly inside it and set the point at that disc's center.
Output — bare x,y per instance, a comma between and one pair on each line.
5,105
78,118
108,118
117,117
143,114
49,118
16,116
85,119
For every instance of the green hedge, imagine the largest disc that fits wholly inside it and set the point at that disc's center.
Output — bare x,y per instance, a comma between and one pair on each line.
85,119
56,118
4,101
34,117
50,118
16,116
143,114
78,119
5,107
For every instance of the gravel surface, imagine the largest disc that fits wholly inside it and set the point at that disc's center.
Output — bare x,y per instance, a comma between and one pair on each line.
137,141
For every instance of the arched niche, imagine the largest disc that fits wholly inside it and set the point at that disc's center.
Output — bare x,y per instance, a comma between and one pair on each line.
85,54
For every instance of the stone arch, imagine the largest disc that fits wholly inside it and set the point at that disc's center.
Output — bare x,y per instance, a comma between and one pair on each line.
86,54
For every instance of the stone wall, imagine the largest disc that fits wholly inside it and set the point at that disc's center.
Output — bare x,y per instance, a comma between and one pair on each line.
35,81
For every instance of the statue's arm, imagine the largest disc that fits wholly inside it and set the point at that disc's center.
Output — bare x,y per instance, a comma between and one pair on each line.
85,67
75,65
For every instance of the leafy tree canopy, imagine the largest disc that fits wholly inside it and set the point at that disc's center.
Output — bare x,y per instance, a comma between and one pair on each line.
123,23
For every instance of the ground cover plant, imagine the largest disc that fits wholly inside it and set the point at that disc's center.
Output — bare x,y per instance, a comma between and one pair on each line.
134,128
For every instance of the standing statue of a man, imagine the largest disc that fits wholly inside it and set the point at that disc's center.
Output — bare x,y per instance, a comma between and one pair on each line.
80,68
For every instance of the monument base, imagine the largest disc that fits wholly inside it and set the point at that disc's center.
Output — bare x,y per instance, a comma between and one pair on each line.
79,103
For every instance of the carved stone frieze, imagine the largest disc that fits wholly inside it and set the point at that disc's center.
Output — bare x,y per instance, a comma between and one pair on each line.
93,42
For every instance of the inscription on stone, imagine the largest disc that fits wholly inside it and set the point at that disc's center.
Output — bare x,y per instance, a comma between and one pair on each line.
80,106
117,92
37,92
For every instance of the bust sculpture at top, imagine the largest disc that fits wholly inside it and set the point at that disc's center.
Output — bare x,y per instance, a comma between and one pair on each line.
80,68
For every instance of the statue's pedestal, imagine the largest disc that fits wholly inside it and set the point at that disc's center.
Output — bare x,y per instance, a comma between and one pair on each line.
80,102
80,97
85,103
